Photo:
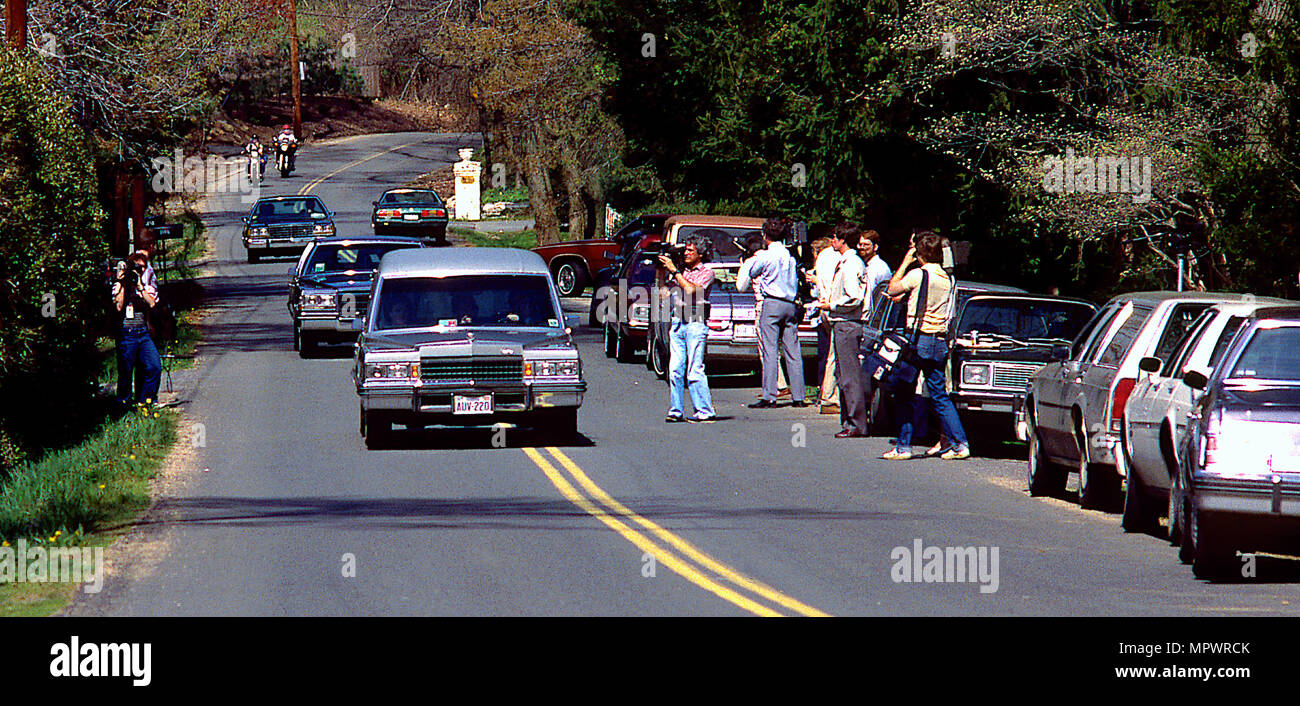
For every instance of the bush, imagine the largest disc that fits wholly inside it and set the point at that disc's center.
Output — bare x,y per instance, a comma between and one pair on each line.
51,255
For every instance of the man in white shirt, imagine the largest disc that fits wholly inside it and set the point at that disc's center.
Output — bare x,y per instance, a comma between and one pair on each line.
776,272
820,278
842,306
876,271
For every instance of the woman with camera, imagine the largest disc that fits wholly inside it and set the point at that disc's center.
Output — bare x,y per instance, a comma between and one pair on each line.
133,296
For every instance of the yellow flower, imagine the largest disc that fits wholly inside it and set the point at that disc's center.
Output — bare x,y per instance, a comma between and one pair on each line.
132,456
101,486
58,532
4,543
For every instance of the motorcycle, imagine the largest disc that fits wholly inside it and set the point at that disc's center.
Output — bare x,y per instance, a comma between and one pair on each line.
256,166
284,158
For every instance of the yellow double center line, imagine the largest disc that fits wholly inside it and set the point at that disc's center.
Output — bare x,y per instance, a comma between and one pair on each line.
688,562
317,182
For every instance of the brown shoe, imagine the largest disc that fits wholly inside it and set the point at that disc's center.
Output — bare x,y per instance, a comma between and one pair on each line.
830,409
783,392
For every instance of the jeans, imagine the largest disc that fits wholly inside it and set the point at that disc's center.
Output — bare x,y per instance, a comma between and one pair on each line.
910,410
686,368
134,347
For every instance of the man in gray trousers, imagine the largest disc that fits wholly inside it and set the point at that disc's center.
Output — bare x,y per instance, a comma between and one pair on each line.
775,270
843,307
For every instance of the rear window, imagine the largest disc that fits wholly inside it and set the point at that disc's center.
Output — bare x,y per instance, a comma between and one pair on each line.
418,198
1124,337
1272,354
724,239
1180,322
466,300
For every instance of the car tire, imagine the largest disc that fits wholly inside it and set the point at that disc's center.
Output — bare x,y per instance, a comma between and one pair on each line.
378,432
1212,551
1140,514
1175,530
879,416
1098,484
297,337
658,356
557,425
623,351
611,343
1045,477
570,278
253,257
306,344
593,318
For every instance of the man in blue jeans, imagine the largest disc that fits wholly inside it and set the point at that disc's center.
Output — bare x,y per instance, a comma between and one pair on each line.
931,344
689,289
133,298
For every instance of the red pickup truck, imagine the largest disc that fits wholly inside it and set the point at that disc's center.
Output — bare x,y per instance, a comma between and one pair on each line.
576,263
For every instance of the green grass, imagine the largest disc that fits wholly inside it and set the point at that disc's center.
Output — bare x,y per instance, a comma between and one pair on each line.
521,239
506,193
81,496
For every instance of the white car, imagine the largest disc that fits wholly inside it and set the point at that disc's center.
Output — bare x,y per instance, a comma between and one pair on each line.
1155,416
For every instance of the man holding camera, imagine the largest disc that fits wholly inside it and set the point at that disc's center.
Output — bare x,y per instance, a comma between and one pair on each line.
133,297
688,289
776,271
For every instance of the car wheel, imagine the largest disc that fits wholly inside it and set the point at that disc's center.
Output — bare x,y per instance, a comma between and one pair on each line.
253,257
593,319
1175,509
1140,514
1212,550
1045,477
557,425
570,279
611,343
306,344
377,431
659,356
879,417
623,351
1098,485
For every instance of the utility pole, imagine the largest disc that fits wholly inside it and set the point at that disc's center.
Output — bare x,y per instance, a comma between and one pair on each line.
295,69
16,23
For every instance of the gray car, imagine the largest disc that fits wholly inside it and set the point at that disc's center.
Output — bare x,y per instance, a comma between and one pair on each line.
1074,406
1238,485
466,337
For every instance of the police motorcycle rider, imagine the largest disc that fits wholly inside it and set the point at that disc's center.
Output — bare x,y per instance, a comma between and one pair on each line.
286,137
256,151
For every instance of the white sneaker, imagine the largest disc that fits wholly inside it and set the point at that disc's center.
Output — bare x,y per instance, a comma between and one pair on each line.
956,453
897,455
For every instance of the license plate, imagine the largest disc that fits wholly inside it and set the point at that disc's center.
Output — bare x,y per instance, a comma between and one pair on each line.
411,216
746,331
477,404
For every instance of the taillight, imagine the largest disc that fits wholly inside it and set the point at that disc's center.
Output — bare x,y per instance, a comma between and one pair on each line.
1211,446
432,212
1123,388
388,213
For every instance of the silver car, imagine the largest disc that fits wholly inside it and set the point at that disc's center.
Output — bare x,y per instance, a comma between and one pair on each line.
1238,484
466,337
1074,405
1155,416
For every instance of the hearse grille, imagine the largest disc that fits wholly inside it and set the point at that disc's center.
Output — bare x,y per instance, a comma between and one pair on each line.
463,370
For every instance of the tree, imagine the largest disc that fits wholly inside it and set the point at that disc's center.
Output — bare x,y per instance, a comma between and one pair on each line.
51,260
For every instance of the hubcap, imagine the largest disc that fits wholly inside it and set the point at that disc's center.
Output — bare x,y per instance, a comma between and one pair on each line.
567,278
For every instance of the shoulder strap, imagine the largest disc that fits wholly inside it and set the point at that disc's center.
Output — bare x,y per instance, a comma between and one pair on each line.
920,305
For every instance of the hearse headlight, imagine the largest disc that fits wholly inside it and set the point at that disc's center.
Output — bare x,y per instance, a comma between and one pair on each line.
551,368
975,373
392,371
323,229
319,301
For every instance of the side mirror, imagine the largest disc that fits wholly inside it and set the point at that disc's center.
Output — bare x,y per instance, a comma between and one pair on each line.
374,203
244,219
1195,379
572,321
1149,364
1060,353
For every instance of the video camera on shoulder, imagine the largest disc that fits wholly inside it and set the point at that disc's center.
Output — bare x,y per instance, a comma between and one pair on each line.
676,253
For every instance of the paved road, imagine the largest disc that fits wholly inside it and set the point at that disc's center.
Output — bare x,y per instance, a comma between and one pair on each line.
762,512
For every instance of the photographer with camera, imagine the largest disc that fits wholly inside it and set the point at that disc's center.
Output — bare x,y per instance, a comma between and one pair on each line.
689,282
775,271
133,296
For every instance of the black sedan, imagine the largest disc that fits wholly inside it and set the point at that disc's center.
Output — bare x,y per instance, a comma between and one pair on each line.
285,224
417,213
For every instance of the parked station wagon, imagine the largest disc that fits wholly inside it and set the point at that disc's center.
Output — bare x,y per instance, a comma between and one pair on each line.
466,337
330,286
1240,457
1074,405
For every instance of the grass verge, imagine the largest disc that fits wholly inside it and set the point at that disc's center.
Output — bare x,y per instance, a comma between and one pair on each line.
80,496
519,239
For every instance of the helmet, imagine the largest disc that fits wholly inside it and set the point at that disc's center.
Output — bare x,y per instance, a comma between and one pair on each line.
284,128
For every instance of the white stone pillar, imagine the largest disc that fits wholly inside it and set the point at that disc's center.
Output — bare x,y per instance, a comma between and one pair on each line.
468,182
